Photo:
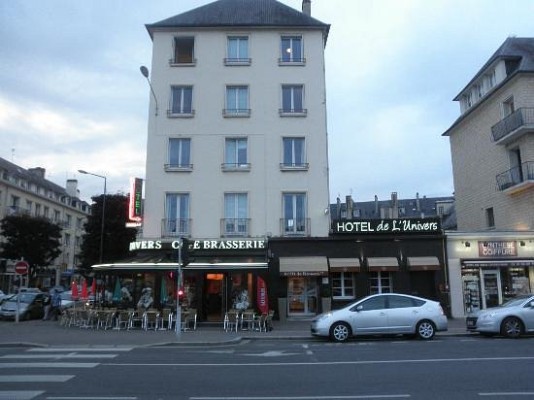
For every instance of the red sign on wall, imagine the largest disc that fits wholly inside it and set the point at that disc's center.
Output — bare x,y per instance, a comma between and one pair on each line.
21,267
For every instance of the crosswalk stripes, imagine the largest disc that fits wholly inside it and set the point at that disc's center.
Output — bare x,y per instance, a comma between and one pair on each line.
49,359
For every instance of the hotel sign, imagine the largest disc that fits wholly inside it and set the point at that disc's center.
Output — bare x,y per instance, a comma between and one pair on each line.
135,212
387,226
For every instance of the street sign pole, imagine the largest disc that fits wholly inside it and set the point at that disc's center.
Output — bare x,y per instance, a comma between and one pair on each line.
178,324
21,268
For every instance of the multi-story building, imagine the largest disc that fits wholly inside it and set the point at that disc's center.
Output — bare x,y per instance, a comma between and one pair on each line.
237,145
492,142
491,257
28,192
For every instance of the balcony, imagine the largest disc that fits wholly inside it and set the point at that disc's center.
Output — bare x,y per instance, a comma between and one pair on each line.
236,112
517,179
298,166
295,226
178,167
176,227
292,112
235,227
513,126
235,167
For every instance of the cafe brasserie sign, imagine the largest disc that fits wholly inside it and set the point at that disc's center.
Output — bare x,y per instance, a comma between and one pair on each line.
236,244
387,226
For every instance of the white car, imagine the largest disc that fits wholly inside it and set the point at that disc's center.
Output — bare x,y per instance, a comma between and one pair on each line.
382,314
512,319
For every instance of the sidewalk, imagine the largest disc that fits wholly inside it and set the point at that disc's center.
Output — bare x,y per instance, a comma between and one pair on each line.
39,333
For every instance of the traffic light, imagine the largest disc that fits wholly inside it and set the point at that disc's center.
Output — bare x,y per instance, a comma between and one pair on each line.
181,293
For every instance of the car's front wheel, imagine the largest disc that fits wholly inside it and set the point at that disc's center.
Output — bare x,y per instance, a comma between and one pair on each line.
425,330
340,332
512,327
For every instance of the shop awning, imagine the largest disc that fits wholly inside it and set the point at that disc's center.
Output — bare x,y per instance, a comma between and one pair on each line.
303,266
344,264
429,263
377,264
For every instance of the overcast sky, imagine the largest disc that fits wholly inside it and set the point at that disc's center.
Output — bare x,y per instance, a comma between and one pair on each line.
72,96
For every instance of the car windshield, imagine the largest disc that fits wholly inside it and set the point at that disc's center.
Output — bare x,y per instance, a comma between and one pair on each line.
516,301
24,297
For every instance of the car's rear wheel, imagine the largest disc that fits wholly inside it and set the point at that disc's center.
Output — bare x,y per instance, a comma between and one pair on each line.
512,327
425,330
340,332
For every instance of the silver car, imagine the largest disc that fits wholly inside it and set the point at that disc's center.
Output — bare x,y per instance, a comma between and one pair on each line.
382,314
512,319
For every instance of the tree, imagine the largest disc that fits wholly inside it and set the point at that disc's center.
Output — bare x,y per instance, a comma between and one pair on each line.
117,237
35,239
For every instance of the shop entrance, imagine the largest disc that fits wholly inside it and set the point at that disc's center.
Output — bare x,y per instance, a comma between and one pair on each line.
214,296
491,287
224,291
302,295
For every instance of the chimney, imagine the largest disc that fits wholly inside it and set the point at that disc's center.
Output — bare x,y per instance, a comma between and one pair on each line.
72,188
348,203
394,205
417,202
306,7
376,204
37,171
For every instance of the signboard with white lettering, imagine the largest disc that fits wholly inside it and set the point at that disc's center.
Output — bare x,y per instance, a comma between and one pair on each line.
219,244
497,249
387,226
135,212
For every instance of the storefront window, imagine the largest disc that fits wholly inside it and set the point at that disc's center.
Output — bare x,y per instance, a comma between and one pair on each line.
302,295
380,282
343,285
471,288
514,282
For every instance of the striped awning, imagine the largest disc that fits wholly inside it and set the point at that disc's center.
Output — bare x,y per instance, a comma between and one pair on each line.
377,264
303,266
429,263
344,264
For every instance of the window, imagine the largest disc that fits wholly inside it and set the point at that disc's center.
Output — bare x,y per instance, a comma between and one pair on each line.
376,303
57,216
237,51
176,221
343,285
183,51
292,50
46,212
292,99
236,101
179,154
403,302
294,213
235,214
490,218
508,106
29,206
68,221
235,154
380,282
490,79
181,102
67,240
294,153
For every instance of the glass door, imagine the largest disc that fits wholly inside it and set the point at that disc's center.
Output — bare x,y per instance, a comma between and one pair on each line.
302,296
491,288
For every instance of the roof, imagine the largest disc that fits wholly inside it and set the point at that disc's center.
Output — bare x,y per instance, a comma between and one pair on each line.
241,13
519,50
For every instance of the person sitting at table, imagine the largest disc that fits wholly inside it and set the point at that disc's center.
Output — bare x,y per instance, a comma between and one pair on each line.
146,299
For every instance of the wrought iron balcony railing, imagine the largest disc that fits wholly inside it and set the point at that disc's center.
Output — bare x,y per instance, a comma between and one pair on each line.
235,227
513,125
176,227
522,175
295,226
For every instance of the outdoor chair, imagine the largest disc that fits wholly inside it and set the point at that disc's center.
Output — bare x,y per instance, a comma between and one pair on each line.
231,321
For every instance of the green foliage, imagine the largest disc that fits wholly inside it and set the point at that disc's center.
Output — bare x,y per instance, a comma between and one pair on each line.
117,237
35,239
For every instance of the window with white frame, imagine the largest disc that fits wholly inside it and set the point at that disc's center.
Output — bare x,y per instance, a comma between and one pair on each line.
235,153
294,218
237,101
508,106
183,50
235,214
293,99
176,221
179,153
237,50
343,286
380,282
181,100
294,152
291,51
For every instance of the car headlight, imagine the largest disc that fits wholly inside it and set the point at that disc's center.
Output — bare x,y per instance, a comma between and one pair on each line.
323,316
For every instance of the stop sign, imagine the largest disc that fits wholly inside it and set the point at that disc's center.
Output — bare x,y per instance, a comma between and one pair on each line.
21,267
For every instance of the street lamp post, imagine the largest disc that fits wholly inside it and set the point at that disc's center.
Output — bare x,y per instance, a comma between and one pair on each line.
178,324
81,171
144,71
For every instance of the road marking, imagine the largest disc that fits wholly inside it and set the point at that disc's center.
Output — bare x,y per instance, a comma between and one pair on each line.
272,353
500,394
56,356
376,396
48,365
35,378
20,394
79,349
91,398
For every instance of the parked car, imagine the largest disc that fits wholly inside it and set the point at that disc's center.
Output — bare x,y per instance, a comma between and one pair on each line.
30,306
382,314
68,302
511,319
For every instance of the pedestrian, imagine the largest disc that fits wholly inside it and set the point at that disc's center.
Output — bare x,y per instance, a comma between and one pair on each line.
47,304
56,305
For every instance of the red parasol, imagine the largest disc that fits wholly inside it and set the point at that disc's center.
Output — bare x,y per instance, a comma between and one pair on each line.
84,290
74,290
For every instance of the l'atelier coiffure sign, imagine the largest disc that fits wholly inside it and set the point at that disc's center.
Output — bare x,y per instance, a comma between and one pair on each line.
387,226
